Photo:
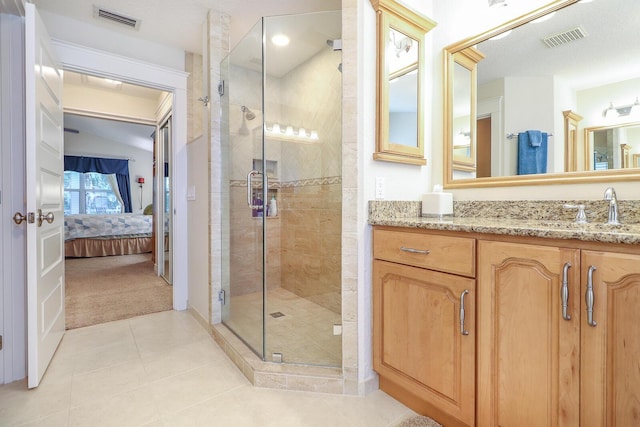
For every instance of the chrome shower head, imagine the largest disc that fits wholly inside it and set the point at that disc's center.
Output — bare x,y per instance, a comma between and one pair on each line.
250,115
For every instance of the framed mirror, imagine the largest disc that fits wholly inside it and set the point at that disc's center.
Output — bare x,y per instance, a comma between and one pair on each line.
400,78
465,129
613,147
546,76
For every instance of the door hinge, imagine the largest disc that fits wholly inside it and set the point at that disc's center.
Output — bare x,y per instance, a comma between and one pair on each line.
221,88
222,296
0,342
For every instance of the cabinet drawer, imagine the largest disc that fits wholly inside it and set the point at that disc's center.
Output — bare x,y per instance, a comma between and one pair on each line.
441,253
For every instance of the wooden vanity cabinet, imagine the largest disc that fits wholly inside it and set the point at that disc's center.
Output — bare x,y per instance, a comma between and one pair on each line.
424,355
532,357
540,367
528,351
610,350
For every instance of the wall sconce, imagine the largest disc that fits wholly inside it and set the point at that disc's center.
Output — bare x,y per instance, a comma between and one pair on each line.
288,132
140,182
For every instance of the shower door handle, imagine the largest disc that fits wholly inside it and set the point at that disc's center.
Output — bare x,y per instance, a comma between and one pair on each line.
249,192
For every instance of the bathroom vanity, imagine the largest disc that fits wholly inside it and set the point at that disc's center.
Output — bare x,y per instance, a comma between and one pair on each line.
508,321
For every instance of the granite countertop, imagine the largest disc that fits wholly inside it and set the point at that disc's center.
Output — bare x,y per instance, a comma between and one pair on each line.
407,214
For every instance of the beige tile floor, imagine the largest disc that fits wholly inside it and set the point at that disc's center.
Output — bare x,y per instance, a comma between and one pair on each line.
304,335
164,369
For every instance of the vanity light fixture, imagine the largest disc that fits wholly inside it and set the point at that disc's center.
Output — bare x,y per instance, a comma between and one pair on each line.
289,133
621,110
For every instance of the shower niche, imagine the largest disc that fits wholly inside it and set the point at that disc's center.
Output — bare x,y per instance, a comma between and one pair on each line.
271,166
289,264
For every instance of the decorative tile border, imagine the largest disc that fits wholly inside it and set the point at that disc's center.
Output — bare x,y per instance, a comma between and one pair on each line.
288,184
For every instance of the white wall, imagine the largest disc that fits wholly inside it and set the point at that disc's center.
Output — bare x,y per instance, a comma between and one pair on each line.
140,161
198,220
523,111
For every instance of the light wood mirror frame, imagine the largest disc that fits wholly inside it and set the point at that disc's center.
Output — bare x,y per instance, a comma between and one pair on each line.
627,174
394,17
626,160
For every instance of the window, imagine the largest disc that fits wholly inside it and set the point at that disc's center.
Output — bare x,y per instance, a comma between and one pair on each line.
90,193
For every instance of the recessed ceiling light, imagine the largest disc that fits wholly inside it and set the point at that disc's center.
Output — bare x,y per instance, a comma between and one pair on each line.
280,40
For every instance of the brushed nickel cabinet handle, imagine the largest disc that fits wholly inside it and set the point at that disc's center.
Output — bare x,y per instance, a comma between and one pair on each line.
462,330
589,297
564,291
415,251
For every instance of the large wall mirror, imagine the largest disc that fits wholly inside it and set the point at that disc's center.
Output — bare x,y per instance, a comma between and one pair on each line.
400,82
529,101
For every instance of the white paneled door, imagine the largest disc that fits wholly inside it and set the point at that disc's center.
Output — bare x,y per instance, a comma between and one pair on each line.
44,193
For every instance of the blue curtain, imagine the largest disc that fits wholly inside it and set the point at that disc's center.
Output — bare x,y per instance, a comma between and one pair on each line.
105,166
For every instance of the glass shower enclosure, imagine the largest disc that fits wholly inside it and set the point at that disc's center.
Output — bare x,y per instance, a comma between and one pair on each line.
281,168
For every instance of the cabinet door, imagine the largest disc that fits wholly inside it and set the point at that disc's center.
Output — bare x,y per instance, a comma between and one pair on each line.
610,350
528,357
419,351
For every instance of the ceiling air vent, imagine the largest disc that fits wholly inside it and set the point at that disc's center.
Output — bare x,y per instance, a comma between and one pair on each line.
101,13
565,37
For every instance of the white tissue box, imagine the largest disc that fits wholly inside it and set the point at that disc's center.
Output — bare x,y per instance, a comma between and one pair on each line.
437,204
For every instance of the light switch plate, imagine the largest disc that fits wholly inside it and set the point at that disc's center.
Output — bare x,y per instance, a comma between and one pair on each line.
191,192
379,188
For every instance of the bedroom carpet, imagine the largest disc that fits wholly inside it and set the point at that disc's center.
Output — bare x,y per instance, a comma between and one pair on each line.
109,288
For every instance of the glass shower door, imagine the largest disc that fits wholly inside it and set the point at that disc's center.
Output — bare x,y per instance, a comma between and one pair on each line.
282,204
303,158
244,215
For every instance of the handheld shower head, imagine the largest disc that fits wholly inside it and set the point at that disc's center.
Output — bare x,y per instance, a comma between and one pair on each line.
250,115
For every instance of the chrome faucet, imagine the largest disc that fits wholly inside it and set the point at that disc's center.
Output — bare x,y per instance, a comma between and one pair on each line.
610,195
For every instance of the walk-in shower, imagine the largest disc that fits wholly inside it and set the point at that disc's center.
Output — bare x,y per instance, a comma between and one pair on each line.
282,221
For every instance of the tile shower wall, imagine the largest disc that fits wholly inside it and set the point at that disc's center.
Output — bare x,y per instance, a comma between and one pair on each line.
310,241
311,191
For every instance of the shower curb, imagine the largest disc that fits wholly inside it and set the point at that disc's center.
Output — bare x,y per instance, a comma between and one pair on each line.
278,375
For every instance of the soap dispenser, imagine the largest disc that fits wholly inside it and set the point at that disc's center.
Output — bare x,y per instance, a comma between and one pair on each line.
273,206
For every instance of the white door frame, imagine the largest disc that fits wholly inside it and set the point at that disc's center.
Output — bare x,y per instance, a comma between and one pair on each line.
91,61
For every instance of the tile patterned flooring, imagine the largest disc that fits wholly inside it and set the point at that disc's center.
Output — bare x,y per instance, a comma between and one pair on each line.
303,335
164,369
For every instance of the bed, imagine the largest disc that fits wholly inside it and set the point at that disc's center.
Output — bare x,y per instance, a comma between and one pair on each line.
106,235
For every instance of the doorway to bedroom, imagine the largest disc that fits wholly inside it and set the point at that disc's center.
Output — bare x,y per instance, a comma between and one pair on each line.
117,230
